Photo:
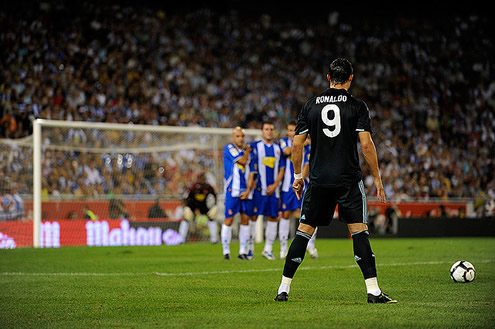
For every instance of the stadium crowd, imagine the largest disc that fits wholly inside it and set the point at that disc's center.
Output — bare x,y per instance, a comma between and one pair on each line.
429,84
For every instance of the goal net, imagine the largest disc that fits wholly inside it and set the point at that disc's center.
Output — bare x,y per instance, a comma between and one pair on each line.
100,184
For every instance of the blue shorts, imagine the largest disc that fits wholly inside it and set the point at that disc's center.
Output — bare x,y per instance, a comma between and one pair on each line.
233,206
289,202
249,207
266,205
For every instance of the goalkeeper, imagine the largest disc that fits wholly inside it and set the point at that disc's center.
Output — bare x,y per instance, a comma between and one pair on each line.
201,199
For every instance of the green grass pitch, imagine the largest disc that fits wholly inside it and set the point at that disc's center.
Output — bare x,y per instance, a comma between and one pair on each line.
191,286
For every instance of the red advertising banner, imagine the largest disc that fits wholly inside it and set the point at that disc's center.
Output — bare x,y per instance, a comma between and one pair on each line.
58,231
69,209
421,209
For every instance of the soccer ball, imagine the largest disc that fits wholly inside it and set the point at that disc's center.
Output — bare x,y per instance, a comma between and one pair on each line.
462,271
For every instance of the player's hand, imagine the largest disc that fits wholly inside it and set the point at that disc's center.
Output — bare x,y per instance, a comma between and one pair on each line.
298,187
247,148
271,189
244,195
380,191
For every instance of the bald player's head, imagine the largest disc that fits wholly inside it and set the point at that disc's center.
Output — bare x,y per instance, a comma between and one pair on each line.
238,137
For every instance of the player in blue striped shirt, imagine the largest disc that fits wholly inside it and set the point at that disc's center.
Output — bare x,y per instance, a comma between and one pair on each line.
289,204
267,156
236,158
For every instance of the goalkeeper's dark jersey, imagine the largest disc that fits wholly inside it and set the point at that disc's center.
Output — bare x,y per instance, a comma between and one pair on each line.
333,119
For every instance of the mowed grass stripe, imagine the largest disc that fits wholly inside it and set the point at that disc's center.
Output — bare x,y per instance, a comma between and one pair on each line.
226,271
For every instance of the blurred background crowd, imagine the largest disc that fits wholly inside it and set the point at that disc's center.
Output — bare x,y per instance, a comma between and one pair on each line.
429,83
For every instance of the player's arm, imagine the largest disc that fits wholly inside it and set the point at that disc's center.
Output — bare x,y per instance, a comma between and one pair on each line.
245,156
271,189
249,186
251,181
212,192
286,149
189,195
297,157
369,151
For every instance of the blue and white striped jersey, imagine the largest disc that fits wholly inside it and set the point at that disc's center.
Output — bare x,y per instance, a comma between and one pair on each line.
268,159
235,177
289,167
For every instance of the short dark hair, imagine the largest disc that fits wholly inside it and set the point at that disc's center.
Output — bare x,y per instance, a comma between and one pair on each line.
340,71
292,123
267,122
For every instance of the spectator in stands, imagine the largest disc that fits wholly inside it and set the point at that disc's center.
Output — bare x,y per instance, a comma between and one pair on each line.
8,125
129,71
116,206
156,211
392,215
19,202
442,212
11,204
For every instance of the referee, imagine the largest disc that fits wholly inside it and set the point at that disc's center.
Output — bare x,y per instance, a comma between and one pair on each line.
334,120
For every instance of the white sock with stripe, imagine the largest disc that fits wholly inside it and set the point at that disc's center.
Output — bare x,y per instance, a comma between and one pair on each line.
226,236
243,239
283,233
270,236
284,285
252,235
372,286
213,227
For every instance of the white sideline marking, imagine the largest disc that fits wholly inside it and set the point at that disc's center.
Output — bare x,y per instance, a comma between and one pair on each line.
224,272
309,268
71,274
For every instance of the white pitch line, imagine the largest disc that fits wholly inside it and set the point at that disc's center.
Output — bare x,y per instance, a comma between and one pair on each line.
310,268
226,271
71,274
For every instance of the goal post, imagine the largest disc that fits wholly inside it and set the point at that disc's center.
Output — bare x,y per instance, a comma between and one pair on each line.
119,157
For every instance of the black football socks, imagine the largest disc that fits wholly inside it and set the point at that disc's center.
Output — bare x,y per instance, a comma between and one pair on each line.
296,253
364,255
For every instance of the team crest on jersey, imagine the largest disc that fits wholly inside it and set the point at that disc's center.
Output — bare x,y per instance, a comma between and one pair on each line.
233,151
269,162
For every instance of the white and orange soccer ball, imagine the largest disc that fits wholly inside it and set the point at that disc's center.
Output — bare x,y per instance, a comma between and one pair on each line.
462,271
